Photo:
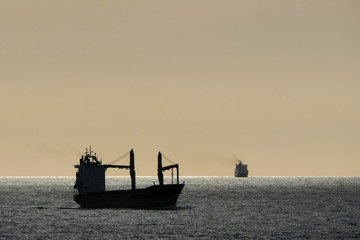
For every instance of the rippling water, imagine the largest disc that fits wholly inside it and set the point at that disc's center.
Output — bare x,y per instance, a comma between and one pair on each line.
209,207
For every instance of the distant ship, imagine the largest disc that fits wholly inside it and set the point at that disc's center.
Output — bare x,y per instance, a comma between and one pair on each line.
90,184
241,170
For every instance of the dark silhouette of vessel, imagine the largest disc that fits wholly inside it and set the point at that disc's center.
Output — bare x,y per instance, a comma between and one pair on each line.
241,170
90,183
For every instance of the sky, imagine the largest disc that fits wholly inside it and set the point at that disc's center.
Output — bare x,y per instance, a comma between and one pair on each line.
272,83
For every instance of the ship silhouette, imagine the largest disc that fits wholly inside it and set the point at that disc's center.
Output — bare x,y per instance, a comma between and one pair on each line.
241,170
90,184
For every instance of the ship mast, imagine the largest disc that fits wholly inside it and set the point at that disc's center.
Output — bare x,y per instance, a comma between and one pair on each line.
131,167
162,169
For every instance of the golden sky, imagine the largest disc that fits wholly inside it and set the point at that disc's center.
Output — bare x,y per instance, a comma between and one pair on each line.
273,83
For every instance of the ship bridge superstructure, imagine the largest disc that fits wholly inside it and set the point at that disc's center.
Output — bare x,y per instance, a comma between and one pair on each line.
90,176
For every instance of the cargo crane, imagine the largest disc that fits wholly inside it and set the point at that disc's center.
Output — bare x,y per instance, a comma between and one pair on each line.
162,169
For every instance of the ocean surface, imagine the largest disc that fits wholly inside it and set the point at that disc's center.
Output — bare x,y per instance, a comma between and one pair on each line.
208,208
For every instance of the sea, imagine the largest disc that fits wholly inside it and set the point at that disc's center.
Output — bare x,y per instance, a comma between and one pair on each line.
208,208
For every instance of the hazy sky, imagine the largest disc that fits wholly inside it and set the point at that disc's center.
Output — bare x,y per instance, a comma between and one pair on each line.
274,83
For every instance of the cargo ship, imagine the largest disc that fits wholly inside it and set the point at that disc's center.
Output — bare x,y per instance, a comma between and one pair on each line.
241,170
91,193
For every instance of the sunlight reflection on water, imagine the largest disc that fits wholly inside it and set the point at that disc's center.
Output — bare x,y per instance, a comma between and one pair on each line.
209,207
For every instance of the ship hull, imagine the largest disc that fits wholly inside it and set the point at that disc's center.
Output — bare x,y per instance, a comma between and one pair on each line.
157,196
242,174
